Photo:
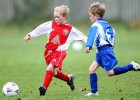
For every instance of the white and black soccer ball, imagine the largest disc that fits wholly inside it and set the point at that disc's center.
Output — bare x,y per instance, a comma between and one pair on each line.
10,89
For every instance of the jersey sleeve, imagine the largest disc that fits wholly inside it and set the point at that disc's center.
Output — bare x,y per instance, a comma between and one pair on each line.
91,37
41,29
75,34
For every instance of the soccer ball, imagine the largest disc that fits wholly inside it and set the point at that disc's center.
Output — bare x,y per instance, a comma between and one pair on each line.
10,89
77,46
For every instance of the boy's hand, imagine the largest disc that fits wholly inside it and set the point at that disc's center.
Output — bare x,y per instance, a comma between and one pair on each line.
86,50
26,38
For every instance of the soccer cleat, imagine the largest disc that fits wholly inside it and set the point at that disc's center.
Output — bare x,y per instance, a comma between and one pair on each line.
90,93
71,82
42,91
136,66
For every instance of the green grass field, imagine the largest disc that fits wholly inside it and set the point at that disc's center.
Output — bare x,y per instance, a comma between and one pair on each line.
23,63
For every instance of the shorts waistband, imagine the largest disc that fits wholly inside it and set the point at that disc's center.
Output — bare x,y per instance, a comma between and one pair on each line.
54,50
104,47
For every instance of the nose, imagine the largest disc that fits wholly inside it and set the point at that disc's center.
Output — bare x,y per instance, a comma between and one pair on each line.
55,18
90,18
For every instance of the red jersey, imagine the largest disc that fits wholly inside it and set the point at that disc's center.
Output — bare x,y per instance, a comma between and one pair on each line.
59,36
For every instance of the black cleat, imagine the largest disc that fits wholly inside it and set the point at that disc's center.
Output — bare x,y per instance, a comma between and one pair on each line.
42,91
71,82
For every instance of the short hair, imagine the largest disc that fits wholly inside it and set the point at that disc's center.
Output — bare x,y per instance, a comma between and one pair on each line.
64,10
97,8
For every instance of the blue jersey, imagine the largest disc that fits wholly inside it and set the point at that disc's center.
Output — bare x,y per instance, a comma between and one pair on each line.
101,33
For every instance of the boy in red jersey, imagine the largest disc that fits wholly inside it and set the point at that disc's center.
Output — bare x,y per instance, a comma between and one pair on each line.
60,35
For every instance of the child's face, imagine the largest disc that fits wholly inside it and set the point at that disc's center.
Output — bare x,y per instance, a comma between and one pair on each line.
92,17
59,19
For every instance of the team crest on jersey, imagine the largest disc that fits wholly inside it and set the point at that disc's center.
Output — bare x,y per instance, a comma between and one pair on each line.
65,32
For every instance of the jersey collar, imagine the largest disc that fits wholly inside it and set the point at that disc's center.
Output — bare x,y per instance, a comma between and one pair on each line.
101,20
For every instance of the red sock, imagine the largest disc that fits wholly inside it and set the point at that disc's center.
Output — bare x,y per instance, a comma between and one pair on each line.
62,76
48,78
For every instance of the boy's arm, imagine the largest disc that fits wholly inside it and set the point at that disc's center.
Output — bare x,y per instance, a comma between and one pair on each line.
40,30
91,38
26,38
78,35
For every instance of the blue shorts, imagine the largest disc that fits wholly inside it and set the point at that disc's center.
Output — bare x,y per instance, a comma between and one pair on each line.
106,58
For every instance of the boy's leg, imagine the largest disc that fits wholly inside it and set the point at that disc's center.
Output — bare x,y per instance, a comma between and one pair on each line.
69,79
123,69
62,76
93,85
93,79
93,82
47,79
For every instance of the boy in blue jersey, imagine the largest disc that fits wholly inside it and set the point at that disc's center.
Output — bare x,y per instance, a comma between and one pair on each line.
104,36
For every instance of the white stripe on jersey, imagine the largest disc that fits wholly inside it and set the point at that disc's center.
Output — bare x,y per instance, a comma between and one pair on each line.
75,34
100,34
44,28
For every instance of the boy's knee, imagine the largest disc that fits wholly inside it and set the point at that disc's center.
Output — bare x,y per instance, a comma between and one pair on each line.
91,69
110,73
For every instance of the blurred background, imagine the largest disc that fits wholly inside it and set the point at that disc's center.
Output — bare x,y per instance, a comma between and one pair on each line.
24,64
22,11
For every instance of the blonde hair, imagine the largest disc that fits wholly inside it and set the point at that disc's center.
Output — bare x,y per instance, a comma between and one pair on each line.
97,8
64,10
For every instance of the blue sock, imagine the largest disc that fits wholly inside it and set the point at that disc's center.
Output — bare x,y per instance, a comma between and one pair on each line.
123,69
93,82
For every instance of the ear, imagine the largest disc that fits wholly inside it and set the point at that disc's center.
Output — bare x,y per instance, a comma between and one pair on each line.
97,15
66,17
